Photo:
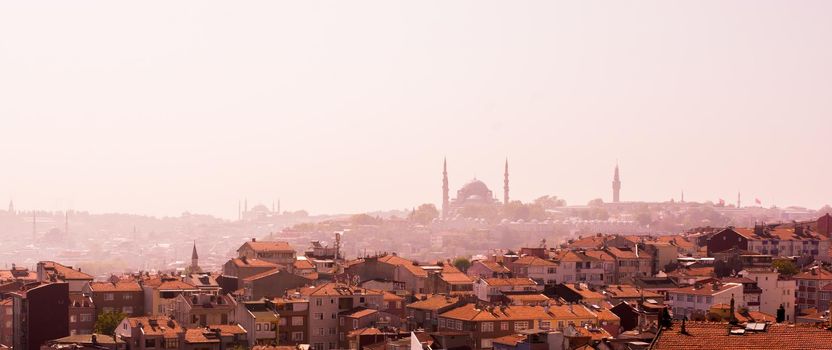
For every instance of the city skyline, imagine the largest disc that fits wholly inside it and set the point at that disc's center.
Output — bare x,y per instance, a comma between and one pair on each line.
214,105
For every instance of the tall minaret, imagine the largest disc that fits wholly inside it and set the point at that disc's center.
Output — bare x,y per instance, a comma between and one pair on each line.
278,207
616,186
445,188
505,185
11,207
739,202
239,210
683,196
34,226
66,224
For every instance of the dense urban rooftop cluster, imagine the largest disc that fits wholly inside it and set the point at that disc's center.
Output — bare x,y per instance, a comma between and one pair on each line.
750,288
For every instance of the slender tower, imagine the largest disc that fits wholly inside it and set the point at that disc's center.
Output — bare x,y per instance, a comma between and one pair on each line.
195,260
66,224
445,188
616,186
239,210
739,202
505,184
34,226
278,207
683,196
11,207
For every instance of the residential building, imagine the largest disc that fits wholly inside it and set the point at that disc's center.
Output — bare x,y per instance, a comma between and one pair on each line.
40,313
86,341
280,253
151,332
293,326
81,314
579,292
355,319
243,267
201,310
713,335
776,291
260,319
630,263
326,302
488,269
161,291
271,284
775,241
542,271
696,300
121,296
492,289
50,271
580,267
424,312
608,265
809,286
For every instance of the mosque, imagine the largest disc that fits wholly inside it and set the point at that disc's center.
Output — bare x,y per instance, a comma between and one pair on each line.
474,196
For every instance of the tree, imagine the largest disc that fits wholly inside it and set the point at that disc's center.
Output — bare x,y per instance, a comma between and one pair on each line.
462,263
596,203
424,214
785,267
550,202
108,321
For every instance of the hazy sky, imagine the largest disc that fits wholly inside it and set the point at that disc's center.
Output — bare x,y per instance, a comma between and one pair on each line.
160,107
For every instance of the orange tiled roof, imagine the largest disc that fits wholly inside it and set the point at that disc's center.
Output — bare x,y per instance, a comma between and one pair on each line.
239,262
628,253
629,291
120,286
516,281
712,335
706,289
66,272
404,263
157,326
456,278
511,339
266,246
198,336
434,302
815,273
303,264
530,260
337,289
470,312
228,329
494,266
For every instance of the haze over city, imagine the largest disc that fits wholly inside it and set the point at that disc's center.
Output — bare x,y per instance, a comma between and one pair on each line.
338,107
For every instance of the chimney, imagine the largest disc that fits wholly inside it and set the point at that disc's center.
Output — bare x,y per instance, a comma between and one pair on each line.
683,330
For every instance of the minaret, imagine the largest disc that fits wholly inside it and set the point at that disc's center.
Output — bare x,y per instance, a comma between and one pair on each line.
11,207
34,226
245,206
505,184
278,207
195,260
683,196
239,210
272,206
616,186
445,188
739,202
66,224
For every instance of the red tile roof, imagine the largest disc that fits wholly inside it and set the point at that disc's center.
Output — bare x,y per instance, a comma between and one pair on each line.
708,335
266,246
120,286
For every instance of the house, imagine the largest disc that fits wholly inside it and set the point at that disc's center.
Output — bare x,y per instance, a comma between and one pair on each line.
618,293
492,289
809,286
243,267
630,263
50,271
776,291
260,319
294,319
205,282
579,292
40,313
201,310
120,296
326,302
580,267
774,241
696,300
355,319
608,265
272,284
488,269
280,253
390,267
161,291
81,314
542,271
449,280
151,332
424,312
484,324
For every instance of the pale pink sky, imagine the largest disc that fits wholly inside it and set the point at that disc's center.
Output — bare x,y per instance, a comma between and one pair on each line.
160,107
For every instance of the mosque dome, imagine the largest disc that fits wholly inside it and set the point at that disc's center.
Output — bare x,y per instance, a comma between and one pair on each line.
475,189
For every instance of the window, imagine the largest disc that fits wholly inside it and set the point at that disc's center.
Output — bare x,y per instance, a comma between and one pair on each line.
318,316
354,324
503,326
72,319
318,302
332,331
128,296
487,326
283,321
361,299
150,343
333,316
297,321
297,336
690,298
318,346
108,296
127,310
320,331
441,323
545,324
709,300
171,343
487,343
521,325
257,327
